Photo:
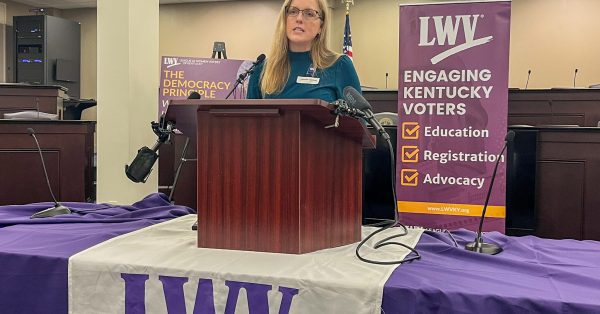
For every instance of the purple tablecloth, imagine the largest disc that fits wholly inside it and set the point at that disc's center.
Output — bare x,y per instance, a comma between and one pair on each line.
34,252
532,275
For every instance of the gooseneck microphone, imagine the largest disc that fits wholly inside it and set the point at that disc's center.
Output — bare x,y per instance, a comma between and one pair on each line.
575,77
358,107
478,245
243,76
341,108
356,100
57,209
528,75
386,79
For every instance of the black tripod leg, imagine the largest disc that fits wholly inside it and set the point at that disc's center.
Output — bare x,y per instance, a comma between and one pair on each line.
181,161
174,185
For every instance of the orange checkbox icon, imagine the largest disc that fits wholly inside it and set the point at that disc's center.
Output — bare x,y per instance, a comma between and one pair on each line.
410,130
409,177
410,154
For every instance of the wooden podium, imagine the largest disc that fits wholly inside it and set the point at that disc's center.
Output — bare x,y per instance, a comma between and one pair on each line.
271,177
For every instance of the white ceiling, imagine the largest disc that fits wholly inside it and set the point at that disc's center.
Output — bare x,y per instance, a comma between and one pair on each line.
77,4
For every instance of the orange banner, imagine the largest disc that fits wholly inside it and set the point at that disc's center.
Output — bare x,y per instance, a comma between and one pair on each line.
450,209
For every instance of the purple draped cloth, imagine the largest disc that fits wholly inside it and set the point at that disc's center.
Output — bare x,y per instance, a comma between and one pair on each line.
34,253
531,275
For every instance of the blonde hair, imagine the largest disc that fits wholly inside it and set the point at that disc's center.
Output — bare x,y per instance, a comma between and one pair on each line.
277,67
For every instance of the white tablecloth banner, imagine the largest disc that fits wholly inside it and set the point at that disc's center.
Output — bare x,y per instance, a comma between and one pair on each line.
160,269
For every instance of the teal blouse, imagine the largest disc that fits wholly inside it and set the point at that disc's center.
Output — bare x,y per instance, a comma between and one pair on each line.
332,80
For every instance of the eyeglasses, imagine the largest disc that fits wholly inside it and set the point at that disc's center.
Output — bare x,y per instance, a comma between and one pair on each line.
308,14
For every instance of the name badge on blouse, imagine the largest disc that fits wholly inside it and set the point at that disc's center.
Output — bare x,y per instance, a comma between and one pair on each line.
308,80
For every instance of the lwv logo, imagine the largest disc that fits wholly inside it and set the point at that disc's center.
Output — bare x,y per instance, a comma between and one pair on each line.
170,61
205,301
446,33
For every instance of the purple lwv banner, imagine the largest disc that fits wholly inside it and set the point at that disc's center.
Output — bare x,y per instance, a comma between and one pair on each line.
210,78
452,103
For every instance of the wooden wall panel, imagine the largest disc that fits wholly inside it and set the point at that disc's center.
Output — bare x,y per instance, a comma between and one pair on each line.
569,161
68,148
23,179
561,202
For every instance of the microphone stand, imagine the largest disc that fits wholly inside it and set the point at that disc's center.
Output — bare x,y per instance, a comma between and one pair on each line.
479,246
57,209
243,76
386,80
239,81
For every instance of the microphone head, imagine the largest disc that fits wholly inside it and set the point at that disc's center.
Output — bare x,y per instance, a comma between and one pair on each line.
576,70
260,58
355,99
529,72
30,131
510,136
194,95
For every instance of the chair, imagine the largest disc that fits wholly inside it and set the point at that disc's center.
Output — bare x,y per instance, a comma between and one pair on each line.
387,118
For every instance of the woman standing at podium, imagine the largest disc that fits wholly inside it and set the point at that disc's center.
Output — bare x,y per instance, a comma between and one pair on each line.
300,65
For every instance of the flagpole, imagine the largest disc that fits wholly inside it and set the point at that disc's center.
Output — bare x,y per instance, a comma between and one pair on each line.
347,46
348,3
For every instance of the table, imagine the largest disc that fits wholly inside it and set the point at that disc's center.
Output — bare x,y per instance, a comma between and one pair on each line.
34,253
531,275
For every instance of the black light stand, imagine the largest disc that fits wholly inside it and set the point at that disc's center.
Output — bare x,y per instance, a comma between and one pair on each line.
141,166
219,50
178,171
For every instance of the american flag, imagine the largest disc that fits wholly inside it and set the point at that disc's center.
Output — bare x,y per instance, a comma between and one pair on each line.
347,49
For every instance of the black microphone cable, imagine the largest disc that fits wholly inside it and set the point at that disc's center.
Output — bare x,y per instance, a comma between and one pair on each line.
389,223
356,100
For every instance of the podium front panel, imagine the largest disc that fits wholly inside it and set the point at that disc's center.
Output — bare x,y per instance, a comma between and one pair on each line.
275,181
